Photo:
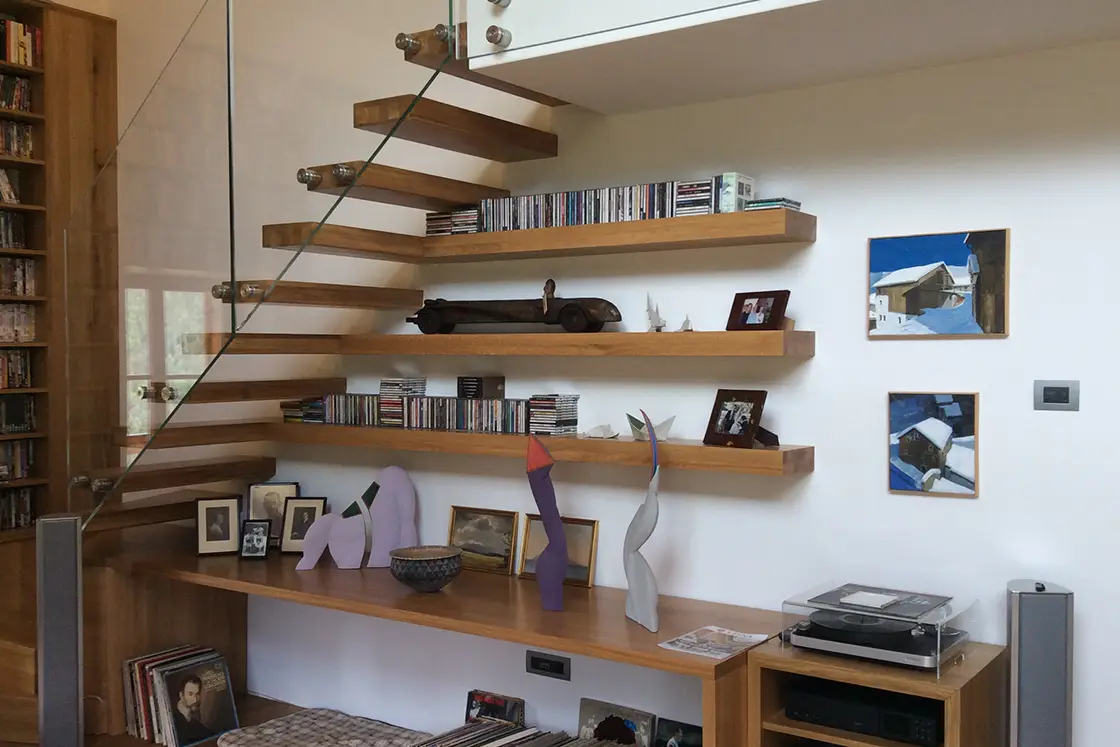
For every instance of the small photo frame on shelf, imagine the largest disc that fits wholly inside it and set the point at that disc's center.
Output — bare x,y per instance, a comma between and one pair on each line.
486,537
735,418
758,310
254,538
266,501
582,537
218,522
299,515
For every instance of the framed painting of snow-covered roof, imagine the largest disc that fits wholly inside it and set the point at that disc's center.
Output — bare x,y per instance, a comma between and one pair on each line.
944,285
933,447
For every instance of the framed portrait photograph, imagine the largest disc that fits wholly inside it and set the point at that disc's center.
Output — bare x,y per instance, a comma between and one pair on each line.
582,537
219,520
254,538
735,418
758,310
299,515
266,501
486,537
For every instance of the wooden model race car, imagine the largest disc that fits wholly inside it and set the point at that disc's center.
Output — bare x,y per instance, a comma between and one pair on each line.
573,314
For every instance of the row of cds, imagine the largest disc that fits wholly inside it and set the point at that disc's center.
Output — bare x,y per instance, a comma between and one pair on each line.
17,508
15,369
425,413
553,414
16,459
17,277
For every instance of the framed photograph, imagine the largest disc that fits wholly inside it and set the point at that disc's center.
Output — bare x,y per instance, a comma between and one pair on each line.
482,705
199,701
614,723
299,515
486,537
582,536
254,538
735,418
218,522
932,444
266,501
758,310
677,734
938,286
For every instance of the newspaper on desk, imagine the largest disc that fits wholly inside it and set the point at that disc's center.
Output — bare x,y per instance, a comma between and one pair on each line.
713,642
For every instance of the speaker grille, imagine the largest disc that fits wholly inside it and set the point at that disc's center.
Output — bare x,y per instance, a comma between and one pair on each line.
1043,673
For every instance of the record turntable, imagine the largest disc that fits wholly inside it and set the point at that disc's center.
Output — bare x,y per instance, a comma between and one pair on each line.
888,625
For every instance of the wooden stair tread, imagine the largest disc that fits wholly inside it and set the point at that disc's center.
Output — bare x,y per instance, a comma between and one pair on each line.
211,392
434,55
755,227
327,295
453,128
181,435
194,472
393,186
673,454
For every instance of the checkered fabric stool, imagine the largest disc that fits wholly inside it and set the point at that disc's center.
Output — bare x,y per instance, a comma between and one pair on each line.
321,727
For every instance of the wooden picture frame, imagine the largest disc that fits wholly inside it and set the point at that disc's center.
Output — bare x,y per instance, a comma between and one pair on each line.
482,533
292,534
773,315
735,418
981,287
218,525
940,447
261,505
252,550
573,577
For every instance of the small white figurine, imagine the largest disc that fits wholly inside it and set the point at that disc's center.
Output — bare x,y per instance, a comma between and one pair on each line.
661,430
686,325
656,323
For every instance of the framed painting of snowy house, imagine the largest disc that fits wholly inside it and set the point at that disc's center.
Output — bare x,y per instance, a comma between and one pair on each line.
933,444
945,285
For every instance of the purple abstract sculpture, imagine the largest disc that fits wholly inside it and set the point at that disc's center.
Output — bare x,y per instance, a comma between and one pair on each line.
552,563
348,542
315,541
392,509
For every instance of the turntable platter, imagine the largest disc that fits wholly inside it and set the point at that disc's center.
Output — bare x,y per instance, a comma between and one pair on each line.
853,627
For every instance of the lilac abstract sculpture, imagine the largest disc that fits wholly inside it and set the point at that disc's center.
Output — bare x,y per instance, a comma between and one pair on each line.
392,509
552,563
641,596
315,541
348,542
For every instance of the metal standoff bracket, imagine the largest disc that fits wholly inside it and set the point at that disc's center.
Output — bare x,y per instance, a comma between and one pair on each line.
221,291
406,42
441,32
80,481
309,177
168,394
343,173
249,290
102,484
145,392
499,36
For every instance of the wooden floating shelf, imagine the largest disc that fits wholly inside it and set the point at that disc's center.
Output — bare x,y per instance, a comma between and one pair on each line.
761,344
292,293
21,252
22,436
22,299
751,228
12,67
24,390
197,472
18,115
674,454
210,392
453,128
394,186
23,208
434,54
22,345
27,482
11,160
489,605
197,434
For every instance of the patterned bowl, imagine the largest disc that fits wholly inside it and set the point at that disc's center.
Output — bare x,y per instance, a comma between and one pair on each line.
426,568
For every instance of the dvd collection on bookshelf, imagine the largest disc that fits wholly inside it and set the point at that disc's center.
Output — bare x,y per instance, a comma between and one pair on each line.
9,186
723,193
15,139
17,413
15,93
17,508
15,369
17,322
12,233
17,277
16,459
20,43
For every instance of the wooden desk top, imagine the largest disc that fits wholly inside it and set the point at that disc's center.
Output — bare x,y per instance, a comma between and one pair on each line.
504,608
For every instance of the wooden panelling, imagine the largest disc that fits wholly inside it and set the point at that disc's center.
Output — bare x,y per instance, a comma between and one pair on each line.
18,657
343,241
197,472
293,293
19,719
673,454
174,436
208,392
723,706
980,712
394,186
593,622
452,128
435,55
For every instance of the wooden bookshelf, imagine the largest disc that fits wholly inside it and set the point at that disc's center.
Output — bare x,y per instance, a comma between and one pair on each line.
675,453
22,207
16,69
9,160
18,115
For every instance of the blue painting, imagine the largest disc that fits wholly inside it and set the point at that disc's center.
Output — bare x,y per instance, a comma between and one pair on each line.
933,444
938,285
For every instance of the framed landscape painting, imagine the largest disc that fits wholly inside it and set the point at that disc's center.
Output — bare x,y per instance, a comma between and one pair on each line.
932,444
945,285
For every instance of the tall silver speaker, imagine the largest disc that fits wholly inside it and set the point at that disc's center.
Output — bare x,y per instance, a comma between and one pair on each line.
1040,635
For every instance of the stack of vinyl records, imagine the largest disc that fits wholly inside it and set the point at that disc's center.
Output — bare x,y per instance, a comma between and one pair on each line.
773,202
504,734
553,414
455,222
178,697
16,508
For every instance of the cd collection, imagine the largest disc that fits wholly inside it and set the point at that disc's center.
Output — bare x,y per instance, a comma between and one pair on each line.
425,413
16,508
16,459
553,414
12,235
16,138
15,93
17,276
17,413
17,322
15,369
723,193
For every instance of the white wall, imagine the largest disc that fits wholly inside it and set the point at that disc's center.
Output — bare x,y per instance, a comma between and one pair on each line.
1029,143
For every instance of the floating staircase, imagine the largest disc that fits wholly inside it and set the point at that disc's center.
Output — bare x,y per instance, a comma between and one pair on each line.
211,392
393,186
195,472
292,293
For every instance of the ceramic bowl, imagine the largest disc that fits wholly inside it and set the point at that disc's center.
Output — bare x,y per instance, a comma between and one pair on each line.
427,568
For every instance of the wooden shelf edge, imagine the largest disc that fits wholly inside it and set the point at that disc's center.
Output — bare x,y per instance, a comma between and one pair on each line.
786,461
175,436
780,724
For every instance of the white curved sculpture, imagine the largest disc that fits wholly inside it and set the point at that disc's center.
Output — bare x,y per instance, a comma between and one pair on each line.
641,596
